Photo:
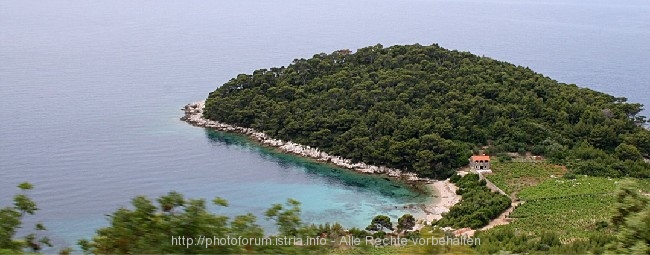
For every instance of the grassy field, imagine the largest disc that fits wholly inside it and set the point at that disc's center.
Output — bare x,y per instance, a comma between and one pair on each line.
570,189
569,217
644,185
512,177
573,208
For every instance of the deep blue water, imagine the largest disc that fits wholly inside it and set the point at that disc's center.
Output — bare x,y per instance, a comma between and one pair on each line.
90,91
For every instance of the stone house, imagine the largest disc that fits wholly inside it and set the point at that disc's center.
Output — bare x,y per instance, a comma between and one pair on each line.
478,163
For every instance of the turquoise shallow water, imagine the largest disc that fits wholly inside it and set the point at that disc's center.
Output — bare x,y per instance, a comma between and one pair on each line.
91,90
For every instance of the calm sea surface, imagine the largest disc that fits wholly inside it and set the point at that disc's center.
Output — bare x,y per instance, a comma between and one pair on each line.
90,91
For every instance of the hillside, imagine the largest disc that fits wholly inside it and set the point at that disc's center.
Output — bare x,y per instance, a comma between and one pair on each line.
424,109
567,214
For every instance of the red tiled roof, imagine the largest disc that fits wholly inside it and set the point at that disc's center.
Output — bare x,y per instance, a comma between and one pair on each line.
484,158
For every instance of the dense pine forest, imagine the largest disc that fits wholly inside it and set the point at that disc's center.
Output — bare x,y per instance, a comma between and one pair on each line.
425,109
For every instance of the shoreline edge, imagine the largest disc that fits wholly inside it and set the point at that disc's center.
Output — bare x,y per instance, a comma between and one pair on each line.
444,190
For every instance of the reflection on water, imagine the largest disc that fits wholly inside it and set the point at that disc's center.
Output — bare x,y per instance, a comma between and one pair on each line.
377,184
91,91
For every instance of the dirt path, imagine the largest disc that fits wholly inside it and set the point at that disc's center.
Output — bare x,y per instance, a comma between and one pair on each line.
504,218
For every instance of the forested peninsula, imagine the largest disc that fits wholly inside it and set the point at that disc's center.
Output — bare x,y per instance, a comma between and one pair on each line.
426,109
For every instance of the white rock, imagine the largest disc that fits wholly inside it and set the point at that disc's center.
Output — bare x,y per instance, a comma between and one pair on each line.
194,116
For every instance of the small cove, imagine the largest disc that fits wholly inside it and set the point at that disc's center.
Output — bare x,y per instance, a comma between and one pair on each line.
92,90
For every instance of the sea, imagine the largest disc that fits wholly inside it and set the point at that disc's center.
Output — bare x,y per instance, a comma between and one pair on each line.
91,91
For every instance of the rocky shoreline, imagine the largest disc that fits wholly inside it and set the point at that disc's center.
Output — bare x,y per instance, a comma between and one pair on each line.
445,190
194,116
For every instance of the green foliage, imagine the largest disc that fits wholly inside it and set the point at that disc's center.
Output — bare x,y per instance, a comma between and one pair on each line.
66,251
411,248
573,219
25,186
287,218
332,231
379,234
434,232
632,219
628,152
170,201
25,204
505,239
478,206
148,229
423,108
11,220
573,209
559,188
220,201
569,217
358,233
625,161
643,185
379,223
570,176
406,222
512,177
561,216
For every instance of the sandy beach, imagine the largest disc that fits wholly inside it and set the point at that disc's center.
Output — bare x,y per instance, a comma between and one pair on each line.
446,198
444,191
